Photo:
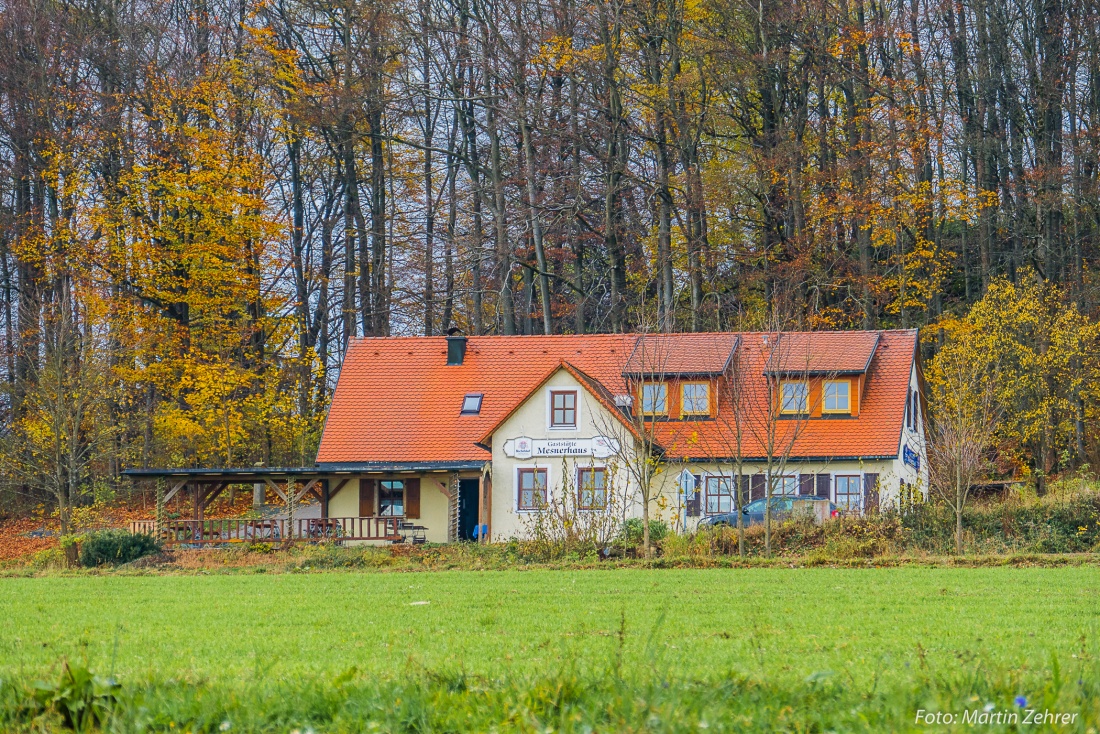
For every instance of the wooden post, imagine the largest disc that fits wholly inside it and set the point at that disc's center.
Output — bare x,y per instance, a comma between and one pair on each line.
324,499
289,509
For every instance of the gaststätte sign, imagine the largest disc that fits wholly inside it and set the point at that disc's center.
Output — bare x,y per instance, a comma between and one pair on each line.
599,447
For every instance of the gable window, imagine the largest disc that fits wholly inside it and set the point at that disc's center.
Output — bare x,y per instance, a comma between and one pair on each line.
848,493
471,403
719,491
695,398
391,497
532,489
793,397
837,396
654,398
592,488
563,409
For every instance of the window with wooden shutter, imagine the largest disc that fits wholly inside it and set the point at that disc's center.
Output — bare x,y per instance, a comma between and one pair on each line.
743,499
366,498
391,498
848,492
824,485
412,499
756,487
805,485
870,492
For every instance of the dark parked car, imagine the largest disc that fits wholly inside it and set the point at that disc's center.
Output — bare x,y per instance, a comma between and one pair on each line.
753,512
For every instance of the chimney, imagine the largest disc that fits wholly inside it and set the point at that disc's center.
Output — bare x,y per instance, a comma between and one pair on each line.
456,346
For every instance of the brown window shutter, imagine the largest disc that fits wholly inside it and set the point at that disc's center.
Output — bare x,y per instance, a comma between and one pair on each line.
412,499
694,505
825,485
366,498
870,492
806,484
756,487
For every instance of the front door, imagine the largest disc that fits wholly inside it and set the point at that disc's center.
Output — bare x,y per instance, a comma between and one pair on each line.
468,506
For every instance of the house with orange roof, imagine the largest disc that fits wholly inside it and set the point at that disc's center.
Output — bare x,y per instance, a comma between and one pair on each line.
472,437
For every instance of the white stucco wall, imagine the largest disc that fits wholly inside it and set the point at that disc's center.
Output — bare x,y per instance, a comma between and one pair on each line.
433,502
532,420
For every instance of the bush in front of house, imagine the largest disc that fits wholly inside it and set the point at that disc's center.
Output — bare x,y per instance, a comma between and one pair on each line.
114,547
633,530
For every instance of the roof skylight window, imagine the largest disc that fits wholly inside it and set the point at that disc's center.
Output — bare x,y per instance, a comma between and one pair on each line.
471,404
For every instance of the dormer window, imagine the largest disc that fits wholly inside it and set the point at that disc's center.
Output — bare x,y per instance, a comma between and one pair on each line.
793,397
563,408
471,403
695,398
654,398
837,396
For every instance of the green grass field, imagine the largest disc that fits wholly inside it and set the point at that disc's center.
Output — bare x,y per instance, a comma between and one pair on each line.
880,640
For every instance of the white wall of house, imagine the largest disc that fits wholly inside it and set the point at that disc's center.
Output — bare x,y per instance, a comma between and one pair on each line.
433,503
532,420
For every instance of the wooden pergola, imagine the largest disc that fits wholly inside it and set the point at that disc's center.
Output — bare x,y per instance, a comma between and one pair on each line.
291,484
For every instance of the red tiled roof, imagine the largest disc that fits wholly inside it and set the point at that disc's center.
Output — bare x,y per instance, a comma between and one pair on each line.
821,352
398,401
681,354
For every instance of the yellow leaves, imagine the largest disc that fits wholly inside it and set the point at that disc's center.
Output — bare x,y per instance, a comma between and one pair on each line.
1036,350
558,54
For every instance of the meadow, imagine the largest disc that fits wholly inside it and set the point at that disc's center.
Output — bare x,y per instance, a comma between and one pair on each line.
624,649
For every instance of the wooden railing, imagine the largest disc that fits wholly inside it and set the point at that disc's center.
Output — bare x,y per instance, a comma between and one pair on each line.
300,530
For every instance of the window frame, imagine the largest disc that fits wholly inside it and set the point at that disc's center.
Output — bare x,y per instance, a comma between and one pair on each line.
805,410
550,423
663,384
718,481
592,506
847,410
694,413
391,481
780,481
535,471
849,478
479,396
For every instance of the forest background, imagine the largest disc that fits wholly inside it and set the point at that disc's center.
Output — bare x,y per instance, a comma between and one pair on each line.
203,201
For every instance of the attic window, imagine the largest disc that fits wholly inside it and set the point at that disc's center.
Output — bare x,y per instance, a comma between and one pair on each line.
471,404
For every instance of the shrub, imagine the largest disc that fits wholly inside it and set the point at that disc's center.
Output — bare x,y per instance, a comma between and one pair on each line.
633,530
116,546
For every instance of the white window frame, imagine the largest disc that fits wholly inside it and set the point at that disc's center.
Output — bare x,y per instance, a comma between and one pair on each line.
516,487
847,409
805,397
550,408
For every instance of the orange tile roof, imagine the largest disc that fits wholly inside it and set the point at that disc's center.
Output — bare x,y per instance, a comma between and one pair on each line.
398,401
821,352
681,354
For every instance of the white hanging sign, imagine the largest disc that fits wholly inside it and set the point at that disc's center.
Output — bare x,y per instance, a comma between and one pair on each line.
599,447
